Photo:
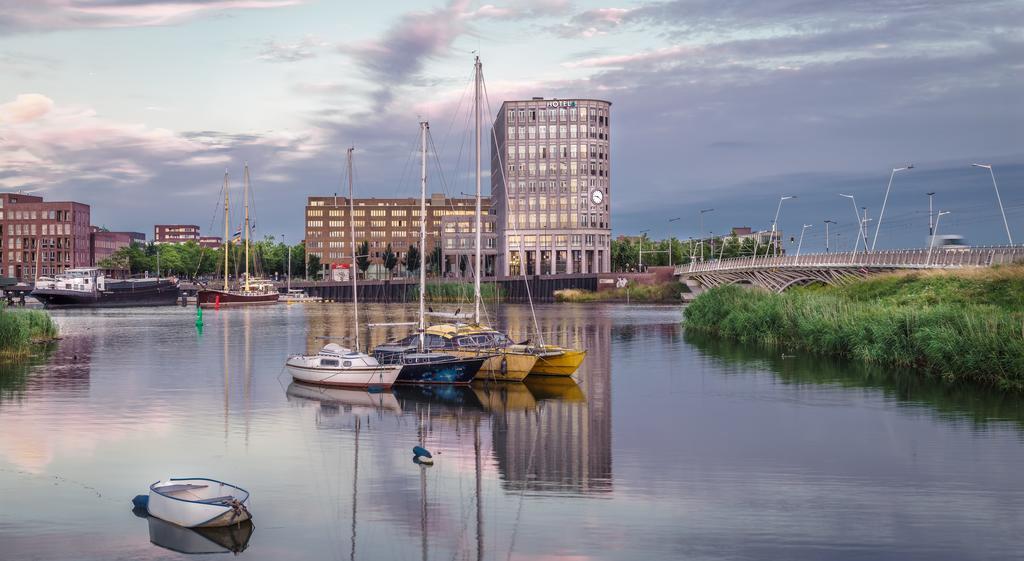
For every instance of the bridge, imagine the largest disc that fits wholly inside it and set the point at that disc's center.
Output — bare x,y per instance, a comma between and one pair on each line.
779,273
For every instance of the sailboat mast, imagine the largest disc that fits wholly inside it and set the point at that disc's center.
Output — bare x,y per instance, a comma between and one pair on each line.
246,195
423,223
227,233
352,229
476,119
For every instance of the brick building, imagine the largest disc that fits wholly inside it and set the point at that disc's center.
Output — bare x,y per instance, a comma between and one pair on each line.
378,221
42,238
175,233
104,243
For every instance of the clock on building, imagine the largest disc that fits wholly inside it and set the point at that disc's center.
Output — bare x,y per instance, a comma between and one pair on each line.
597,196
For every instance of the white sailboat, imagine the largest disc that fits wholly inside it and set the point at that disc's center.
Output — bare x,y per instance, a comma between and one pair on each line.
335,365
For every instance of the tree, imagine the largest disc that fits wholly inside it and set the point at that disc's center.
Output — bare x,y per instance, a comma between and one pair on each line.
412,259
434,260
390,259
363,257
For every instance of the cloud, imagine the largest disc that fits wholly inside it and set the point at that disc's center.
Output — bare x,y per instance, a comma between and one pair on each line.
48,15
25,107
521,9
595,22
303,49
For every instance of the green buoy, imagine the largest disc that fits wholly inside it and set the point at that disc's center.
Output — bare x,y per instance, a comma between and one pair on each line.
199,317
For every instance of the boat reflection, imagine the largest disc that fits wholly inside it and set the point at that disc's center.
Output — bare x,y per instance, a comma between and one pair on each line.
555,388
442,398
349,400
191,541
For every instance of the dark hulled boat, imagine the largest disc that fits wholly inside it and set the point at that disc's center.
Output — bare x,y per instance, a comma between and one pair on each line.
258,293
90,288
427,367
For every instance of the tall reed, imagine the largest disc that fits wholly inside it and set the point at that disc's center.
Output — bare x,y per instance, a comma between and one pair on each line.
20,328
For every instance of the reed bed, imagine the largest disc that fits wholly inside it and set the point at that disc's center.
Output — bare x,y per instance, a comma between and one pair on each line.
958,326
451,292
19,329
665,292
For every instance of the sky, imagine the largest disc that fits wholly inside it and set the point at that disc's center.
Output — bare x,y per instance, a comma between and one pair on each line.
137,107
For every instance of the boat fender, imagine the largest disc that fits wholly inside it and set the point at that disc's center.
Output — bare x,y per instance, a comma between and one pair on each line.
421,451
504,366
140,501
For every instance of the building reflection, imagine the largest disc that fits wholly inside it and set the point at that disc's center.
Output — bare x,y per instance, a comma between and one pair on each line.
562,444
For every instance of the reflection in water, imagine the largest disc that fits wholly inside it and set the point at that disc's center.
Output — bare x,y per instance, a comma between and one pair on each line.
337,400
227,539
956,402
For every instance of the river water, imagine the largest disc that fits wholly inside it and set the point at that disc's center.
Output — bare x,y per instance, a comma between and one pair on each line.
668,446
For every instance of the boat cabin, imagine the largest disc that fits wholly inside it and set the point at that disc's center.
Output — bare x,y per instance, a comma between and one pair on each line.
85,279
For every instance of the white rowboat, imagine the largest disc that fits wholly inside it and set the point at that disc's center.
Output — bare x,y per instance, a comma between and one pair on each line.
198,502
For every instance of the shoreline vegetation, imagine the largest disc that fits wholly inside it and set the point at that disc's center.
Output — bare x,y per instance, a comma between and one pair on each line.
661,293
458,292
20,330
961,326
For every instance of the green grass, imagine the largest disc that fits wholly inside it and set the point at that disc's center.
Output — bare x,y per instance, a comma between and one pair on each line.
19,329
665,292
963,326
458,292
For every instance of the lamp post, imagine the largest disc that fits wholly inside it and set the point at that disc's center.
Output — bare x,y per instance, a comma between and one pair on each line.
860,224
700,229
998,198
885,200
827,222
801,243
931,244
671,242
289,279
640,264
931,229
774,240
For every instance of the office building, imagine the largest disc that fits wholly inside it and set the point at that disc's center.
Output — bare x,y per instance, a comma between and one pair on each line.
42,238
377,221
550,186
103,243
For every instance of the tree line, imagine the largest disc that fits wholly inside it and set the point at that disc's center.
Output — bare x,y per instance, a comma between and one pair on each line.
626,251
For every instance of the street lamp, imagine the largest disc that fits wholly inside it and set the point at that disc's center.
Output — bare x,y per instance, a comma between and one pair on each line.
801,244
931,244
998,198
931,229
776,222
860,225
671,242
640,264
701,230
885,200
827,222
289,280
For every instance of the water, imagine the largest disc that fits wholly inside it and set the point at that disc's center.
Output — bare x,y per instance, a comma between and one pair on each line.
671,446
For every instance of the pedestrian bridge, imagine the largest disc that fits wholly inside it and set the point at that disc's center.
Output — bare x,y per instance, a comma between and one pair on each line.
779,273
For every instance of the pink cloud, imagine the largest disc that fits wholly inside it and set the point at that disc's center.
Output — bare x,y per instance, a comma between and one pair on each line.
25,107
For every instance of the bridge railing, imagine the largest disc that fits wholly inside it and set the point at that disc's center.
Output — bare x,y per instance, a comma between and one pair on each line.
938,258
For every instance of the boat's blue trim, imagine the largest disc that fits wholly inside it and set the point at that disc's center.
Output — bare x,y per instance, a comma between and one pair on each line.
152,488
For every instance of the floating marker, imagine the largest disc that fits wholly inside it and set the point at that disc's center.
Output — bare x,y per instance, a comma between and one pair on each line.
199,317
421,451
423,460
140,501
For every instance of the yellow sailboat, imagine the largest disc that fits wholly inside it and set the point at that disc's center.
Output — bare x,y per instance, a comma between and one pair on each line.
507,362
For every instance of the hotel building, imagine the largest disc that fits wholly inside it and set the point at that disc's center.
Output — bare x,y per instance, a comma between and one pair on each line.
379,222
550,186
42,238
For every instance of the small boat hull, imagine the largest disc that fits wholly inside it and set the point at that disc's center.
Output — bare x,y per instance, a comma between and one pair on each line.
210,298
563,363
503,365
120,294
456,370
377,377
187,502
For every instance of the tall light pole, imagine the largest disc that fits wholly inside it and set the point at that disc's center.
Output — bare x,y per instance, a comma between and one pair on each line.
701,230
860,224
289,280
671,242
640,264
775,222
931,244
998,198
827,222
885,200
801,243
931,228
